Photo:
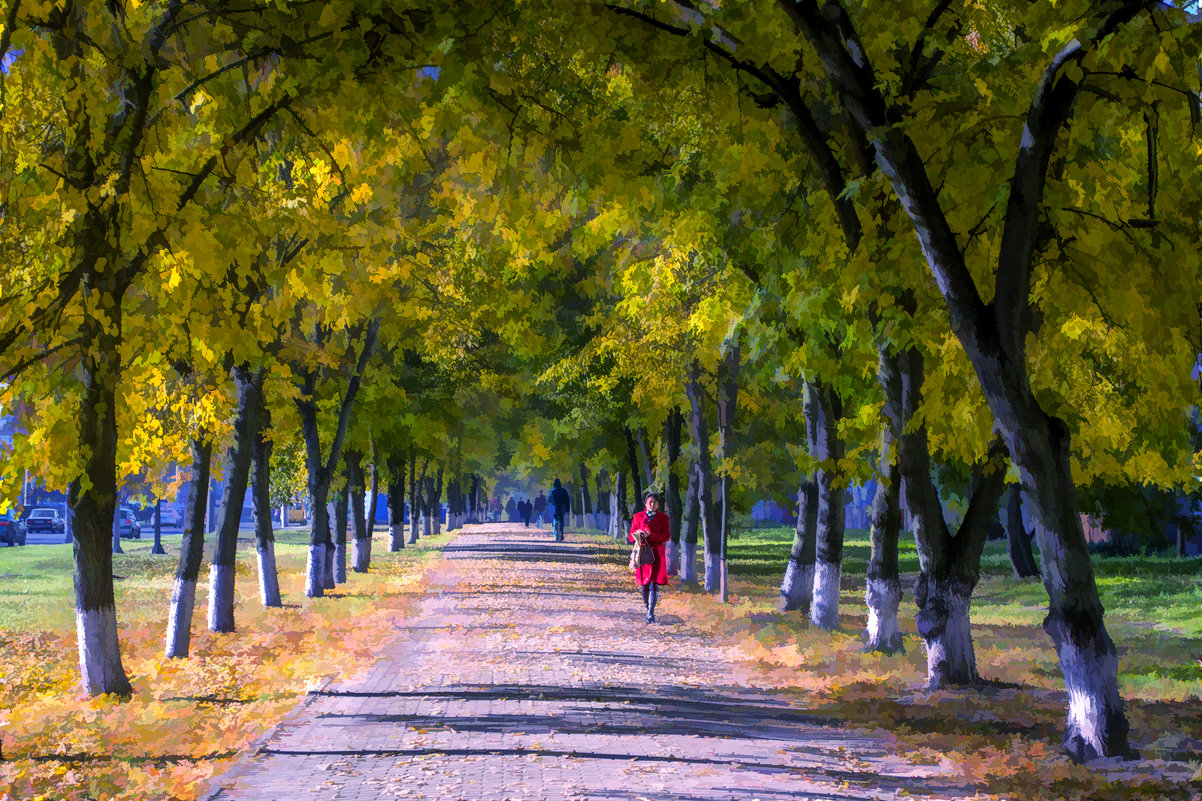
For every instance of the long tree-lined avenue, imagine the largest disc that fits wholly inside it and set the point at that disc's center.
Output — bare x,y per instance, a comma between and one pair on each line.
921,277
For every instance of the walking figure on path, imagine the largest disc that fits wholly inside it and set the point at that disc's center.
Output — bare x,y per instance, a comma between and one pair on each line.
561,504
651,525
540,508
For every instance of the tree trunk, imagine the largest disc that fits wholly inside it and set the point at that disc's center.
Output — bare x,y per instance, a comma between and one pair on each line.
341,496
699,431
604,503
373,497
237,474
269,579
191,554
672,434
396,504
829,529
619,524
646,460
797,589
632,459
94,496
586,501
474,515
436,502
690,525
883,592
950,565
416,496
1018,539
728,394
428,507
356,487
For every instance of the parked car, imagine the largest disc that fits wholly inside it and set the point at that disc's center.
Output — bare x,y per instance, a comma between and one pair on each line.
12,531
171,517
130,529
45,520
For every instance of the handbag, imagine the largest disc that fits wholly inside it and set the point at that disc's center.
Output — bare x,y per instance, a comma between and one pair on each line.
641,554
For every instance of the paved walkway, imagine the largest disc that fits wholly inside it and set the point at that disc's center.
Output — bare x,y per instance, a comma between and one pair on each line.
529,674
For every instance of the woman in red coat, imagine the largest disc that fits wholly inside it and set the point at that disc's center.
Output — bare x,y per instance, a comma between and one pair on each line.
651,525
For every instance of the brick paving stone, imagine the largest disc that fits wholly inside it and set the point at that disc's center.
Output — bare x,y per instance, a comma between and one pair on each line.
529,674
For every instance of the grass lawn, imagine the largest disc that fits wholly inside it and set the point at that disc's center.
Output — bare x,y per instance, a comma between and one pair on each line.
187,717
1005,736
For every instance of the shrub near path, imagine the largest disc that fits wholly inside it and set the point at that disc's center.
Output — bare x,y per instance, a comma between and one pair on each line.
1004,738
187,717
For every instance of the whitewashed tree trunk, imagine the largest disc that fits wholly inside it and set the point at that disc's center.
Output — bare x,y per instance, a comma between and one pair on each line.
221,593
269,578
315,579
945,628
825,611
688,564
361,555
339,563
328,575
673,553
797,589
713,571
100,666
883,598
427,525
179,619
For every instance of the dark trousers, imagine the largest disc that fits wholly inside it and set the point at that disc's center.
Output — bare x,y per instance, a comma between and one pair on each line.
650,595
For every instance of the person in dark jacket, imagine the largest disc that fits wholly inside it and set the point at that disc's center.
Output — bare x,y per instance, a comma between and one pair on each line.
527,508
651,525
540,508
561,504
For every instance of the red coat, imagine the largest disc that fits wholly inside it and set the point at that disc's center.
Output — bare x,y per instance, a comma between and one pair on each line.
659,532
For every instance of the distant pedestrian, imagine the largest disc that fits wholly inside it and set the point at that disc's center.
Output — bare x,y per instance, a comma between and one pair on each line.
561,504
527,508
651,525
540,508
511,510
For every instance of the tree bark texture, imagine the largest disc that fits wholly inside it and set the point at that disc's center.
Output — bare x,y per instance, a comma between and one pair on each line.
632,464
396,504
950,565
1018,539
699,431
436,501
646,460
728,396
416,483
797,589
191,554
618,520
883,590
94,504
673,429
341,496
233,495
269,580
829,527
373,499
357,487
690,525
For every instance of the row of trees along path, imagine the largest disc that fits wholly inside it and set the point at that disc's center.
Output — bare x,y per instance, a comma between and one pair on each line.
528,673
299,243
